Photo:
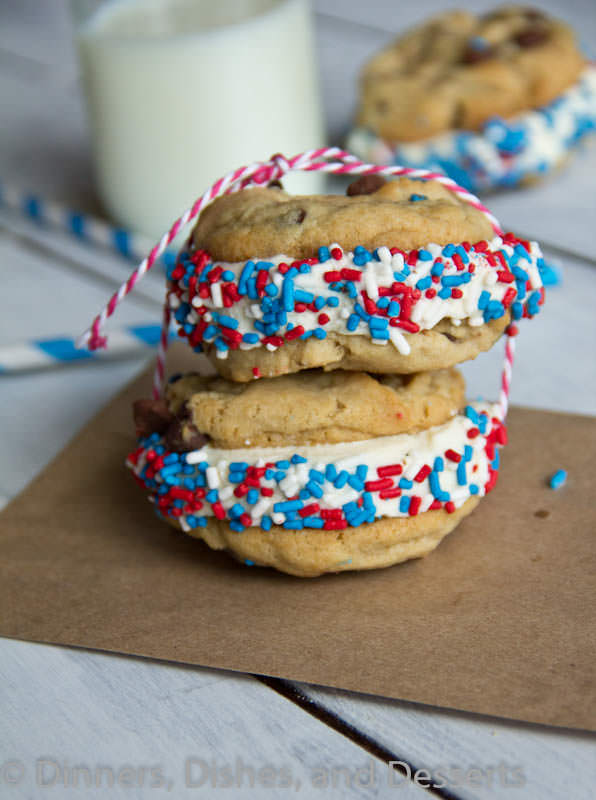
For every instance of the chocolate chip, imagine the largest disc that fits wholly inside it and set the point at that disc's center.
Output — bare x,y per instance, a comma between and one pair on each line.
458,115
182,436
474,55
531,37
534,14
365,184
450,336
151,416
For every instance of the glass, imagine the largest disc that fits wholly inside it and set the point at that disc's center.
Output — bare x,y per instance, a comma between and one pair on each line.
179,92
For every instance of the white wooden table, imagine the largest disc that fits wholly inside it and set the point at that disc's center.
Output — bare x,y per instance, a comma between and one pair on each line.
178,728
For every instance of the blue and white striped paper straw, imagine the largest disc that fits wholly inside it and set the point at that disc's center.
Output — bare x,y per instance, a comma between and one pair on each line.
46,353
85,227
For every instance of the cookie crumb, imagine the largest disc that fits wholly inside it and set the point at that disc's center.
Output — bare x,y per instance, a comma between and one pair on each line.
542,513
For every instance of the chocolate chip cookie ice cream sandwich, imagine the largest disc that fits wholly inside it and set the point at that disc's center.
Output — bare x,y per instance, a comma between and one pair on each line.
492,101
317,472
399,276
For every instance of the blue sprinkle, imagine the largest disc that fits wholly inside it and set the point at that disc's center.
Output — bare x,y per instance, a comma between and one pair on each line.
404,483
483,300
252,496
424,255
210,332
228,322
437,268
269,474
227,275
320,333
517,310
280,475
471,414
444,293
452,280
317,476
296,459
473,488
284,464
300,296
247,271
320,302
424,283
415,198
314,489
439,464
332,302
462,477
236,511
304,494
362,471
382,302
468,452
313,522
324,254
330,472
361,312
404,504
293,525
353,322
266,523
341,479
303,268
250,338
378,323
236,526
448,250
271,289
248,562
394,309
355,483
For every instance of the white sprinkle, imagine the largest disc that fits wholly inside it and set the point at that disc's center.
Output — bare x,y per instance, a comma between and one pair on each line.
370,282
384,254
399,341
226,493
271,347
216,294
212,475
278,518
197,301
184,524
174,301
195,457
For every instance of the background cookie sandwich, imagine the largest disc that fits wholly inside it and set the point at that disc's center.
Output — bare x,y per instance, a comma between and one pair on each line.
492,101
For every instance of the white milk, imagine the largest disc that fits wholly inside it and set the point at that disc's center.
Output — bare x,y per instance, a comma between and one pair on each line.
180,92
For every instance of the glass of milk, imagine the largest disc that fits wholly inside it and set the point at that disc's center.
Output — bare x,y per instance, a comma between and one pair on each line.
180,92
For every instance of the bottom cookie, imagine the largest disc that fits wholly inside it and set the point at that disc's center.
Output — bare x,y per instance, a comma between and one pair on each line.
308,554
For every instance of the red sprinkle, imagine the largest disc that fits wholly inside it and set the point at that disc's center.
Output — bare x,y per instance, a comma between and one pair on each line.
323,319
375,486
457,293
386,494
245,519
423,473
294,333
435,505
430,293
414,505
218,510
473,433
332,276
266,491
390,469
350,274
256,372
450,507
308,510
336,253
453,456
335,525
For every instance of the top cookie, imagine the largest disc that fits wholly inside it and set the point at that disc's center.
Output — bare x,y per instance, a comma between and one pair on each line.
258,223
458,70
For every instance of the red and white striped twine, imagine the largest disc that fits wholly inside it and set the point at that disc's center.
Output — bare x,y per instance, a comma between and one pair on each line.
259,173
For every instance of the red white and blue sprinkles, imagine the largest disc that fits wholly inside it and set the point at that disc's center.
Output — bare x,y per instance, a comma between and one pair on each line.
325,487
382,294
504,151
